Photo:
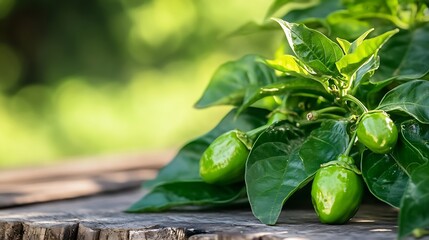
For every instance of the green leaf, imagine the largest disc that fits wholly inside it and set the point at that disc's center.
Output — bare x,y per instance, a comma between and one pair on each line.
356,43
275,168
405,56
274,171
414,206
185,165
413,149
285,85
312,47
175,194
387,176
344,44
350,63
385,179
291,65
365,71
417,135
411,97
324,144
229,83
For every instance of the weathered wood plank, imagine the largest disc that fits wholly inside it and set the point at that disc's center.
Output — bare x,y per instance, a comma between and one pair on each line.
158,234
82,178
26,193
101,217
11,230
85,233
113,234
101,180
51,231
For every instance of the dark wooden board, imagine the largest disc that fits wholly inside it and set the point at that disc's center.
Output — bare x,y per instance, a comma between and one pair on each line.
101,217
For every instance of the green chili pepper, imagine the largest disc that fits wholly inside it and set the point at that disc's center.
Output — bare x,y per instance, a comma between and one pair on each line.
336,194
377,132
223,162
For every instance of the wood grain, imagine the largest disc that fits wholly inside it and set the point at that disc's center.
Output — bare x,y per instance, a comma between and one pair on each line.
101,217
91,196
78,178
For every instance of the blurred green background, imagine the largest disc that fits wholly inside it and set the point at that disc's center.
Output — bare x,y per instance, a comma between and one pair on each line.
102,77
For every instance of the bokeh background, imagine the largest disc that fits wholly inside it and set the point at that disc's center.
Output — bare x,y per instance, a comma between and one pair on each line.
81,78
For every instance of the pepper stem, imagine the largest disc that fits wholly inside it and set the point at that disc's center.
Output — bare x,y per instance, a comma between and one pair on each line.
281,112
351,143
247,138
356,101
252,134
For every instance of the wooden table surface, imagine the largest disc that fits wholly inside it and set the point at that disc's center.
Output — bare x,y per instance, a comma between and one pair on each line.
77,202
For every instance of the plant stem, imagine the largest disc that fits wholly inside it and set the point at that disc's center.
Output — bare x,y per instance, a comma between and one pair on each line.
351,143
306,122
325,112
252,134
283,105
330,116
247,138
331,109
356,101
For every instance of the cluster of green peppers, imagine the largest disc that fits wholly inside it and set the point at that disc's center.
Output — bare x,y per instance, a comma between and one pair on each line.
337,187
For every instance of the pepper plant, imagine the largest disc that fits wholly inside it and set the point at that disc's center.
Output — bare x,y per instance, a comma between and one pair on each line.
347,97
